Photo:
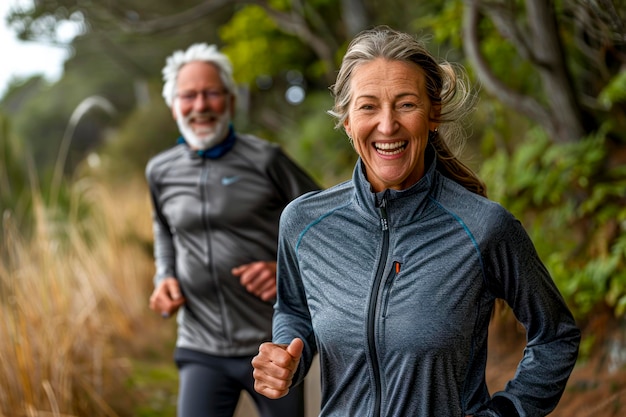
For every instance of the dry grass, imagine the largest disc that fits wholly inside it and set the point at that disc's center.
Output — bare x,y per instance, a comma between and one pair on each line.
68,296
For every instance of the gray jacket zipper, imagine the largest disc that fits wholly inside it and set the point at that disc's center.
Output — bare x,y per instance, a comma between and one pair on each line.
371,322
204,194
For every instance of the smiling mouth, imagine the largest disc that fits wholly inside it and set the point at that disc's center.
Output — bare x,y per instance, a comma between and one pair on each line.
393,148
203,119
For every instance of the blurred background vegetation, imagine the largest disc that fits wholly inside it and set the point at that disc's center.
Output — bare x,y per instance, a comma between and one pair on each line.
548,137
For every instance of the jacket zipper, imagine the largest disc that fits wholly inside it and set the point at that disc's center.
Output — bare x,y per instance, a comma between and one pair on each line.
371,322
204,184
204,174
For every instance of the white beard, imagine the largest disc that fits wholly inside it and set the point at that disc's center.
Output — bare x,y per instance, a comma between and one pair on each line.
208,137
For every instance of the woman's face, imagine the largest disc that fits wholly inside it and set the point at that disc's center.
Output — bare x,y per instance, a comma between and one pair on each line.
388,120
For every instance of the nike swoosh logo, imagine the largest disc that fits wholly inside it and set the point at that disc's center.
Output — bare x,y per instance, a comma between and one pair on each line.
230,180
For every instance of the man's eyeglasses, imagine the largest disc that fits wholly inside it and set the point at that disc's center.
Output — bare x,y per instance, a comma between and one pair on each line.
189,97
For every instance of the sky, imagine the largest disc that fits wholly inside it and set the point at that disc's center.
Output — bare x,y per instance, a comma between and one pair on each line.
25,59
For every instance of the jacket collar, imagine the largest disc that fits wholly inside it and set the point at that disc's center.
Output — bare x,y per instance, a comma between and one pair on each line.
403,206
216,151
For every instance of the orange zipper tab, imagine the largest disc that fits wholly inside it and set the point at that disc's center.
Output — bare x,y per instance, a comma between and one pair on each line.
397,267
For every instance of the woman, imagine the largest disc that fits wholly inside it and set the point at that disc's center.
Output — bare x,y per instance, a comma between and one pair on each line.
392,276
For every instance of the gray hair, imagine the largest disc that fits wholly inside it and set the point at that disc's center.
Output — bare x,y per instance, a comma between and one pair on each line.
447,86
196,52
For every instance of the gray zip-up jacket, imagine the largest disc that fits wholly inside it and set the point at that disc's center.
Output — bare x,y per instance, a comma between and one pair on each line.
395,291
211,215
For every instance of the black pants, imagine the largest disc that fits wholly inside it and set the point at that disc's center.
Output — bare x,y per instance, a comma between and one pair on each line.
210,386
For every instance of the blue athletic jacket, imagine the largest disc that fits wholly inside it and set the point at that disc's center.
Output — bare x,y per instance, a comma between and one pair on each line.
395,291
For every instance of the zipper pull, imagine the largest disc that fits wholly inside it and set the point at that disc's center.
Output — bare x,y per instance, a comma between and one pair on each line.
383,215
383,224
397,265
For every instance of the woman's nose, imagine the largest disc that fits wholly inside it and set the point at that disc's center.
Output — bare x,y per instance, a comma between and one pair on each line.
387,123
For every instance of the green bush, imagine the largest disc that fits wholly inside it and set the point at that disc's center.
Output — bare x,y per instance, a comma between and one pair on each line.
571,198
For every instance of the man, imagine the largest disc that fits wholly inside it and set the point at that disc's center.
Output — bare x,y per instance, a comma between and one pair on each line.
217,198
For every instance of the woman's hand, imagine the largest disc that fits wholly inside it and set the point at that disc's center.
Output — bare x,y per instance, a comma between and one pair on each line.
275,366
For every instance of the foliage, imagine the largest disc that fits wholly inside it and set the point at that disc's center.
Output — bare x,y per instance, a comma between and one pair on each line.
614,94
146,130
53,107
14,181
23,186
514,71
449,34
250,37
574,207
316,145
108,60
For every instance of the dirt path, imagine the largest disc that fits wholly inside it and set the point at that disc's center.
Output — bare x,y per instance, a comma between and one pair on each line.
596,388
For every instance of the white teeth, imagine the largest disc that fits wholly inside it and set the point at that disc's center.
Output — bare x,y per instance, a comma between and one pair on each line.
391,148
389,145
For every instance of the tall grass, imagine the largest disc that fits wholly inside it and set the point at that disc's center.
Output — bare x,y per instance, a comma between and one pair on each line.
71,294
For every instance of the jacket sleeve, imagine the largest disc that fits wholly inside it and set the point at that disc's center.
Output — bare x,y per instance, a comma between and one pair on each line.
290,179
291,312
164,253
517,275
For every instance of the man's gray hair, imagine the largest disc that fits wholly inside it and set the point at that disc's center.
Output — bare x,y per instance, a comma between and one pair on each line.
196,52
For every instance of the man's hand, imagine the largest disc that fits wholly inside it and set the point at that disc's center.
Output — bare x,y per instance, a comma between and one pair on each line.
259,278
166,298
275,366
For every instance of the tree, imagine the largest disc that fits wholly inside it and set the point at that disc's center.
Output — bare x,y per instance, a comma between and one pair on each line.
551,124
566,103
563,66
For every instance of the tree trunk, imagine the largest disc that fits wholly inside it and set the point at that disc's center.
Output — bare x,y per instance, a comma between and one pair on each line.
555,78
540,44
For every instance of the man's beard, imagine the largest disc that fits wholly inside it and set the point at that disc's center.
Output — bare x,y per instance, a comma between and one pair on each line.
208,137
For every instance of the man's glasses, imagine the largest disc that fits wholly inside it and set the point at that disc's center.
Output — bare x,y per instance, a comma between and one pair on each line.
189,97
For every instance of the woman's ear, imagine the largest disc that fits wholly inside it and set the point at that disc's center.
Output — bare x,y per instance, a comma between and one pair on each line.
435,113
346,127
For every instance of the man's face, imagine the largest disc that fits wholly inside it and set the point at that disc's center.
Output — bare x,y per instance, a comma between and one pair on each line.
202,107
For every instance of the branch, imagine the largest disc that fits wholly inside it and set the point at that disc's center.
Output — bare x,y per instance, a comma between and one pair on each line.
524,104
293,23
555,76
607,12
504,20
354,16
544,34
175,21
